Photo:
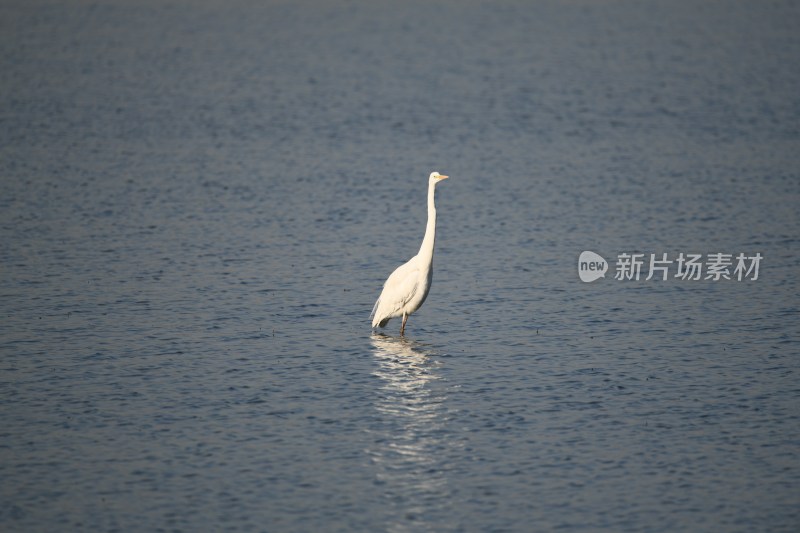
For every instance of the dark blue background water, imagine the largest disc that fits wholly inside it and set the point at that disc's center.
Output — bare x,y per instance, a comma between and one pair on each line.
199,202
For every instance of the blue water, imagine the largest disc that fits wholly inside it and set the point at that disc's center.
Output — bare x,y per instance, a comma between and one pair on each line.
199,202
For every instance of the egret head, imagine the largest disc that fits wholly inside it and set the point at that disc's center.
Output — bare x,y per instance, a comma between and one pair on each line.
436,177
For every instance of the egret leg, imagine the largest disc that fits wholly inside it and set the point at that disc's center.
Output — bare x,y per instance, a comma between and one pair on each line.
403,325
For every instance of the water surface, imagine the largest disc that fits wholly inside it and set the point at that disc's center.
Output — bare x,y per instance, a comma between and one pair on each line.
200,201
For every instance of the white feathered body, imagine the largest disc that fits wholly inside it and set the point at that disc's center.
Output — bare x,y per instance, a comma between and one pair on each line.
404,292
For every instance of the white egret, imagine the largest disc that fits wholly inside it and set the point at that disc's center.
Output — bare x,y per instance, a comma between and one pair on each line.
407,287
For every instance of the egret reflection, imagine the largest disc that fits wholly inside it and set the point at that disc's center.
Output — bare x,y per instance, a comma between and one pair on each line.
409,449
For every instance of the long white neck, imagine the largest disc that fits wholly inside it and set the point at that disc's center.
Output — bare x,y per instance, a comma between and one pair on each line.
426,250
